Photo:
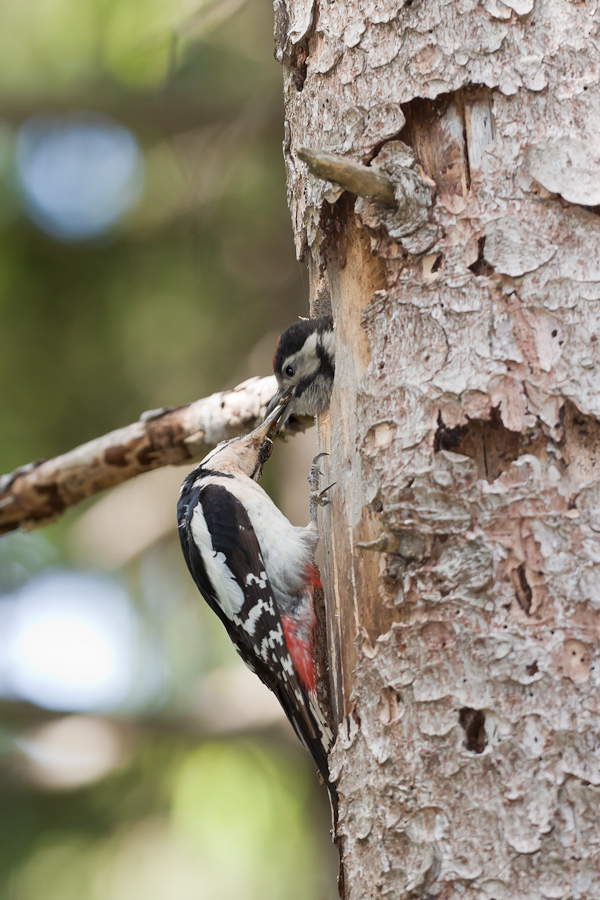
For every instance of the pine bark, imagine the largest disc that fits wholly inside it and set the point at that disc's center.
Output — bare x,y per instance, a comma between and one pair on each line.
463,433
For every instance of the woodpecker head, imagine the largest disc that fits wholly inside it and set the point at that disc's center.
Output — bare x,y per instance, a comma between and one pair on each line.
247,454
304,362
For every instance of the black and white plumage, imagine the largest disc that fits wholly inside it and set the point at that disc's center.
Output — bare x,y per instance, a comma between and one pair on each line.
304,362
257,573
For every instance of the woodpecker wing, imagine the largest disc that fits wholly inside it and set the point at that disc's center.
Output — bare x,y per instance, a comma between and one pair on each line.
225,560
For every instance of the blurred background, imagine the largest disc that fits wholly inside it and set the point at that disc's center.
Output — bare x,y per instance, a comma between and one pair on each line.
146,259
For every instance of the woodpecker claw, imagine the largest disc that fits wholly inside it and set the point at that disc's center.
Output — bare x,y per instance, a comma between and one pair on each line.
315,473
317,497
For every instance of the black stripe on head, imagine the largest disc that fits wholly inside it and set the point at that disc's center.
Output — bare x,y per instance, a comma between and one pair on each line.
326,365
303,385
294,337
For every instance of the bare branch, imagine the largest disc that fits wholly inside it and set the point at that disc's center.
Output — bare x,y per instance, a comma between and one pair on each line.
35,494
354,177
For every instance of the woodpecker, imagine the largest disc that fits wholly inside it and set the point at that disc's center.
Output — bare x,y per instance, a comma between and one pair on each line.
304,361
257,572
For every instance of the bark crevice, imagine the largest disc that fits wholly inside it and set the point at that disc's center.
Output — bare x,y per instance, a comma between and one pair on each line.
463,566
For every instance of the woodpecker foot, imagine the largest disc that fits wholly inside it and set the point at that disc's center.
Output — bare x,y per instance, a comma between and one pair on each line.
317,497
314,474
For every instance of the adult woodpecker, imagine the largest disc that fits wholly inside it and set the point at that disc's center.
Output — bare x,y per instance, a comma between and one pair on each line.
257,572
304,362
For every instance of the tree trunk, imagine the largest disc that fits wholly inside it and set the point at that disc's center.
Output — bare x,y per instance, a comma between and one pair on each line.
463,434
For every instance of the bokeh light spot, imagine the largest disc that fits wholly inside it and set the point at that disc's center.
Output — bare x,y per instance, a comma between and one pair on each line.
79,175
72,643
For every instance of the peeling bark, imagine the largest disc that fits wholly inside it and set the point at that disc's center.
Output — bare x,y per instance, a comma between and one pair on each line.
37,493
462,544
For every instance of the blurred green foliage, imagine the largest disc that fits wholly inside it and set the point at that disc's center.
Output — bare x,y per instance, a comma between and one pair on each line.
222,820
164,309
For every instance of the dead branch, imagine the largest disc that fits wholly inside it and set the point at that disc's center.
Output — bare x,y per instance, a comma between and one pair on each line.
361,180
35,494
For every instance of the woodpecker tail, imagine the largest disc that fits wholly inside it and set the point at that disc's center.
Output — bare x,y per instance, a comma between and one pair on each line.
299,631
306,718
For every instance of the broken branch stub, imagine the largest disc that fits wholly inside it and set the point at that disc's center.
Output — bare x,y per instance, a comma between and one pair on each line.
354,177
392,194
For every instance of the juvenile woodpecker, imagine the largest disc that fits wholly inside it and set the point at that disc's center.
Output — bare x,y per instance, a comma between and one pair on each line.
304,361
257,572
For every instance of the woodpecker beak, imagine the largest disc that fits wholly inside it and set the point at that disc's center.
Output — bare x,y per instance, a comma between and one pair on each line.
280,401
261,437
273,402
249,452
275,415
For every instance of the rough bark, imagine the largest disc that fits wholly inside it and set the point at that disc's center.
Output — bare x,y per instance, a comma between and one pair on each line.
39,492
464,434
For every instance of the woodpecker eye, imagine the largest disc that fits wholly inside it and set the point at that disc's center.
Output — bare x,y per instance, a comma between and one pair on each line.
289,371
